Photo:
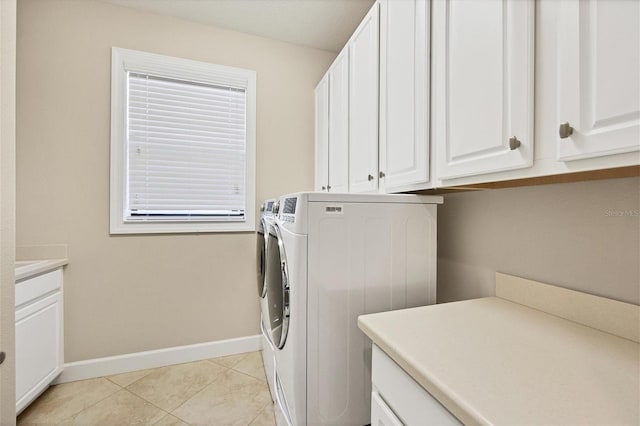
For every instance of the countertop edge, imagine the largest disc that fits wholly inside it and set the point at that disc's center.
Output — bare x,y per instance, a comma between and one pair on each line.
438,390
386,330
39,267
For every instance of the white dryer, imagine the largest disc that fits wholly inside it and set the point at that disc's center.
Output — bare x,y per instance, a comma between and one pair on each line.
268,354
340,256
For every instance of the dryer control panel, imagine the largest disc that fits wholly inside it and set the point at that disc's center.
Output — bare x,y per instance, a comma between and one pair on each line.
288,209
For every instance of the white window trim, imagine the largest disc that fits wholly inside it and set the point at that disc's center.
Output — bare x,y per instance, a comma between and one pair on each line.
124,60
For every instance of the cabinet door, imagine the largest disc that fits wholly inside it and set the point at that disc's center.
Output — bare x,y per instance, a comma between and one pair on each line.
483,54
39,347
404,93
322,135
381,414
598,77
339,123
363,105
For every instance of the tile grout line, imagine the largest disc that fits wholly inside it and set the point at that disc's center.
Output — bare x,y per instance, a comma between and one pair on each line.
260,412
94,404
138,396
194,395
249,375
169,366
173,412
149,402
151,370
162,410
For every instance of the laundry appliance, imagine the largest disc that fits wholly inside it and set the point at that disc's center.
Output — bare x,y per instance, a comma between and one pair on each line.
331,258
268,355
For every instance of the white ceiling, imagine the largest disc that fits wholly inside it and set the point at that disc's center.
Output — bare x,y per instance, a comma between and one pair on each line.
323,24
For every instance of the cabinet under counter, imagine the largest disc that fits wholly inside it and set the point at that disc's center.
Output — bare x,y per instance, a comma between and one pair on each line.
39,318
535,354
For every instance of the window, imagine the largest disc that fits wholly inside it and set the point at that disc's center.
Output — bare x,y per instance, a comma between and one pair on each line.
182,145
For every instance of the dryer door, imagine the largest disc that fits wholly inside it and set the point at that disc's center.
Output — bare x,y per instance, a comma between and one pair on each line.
277,283
261,258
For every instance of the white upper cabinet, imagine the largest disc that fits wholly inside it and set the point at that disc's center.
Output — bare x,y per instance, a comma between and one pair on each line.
363,105
598,78
404,94
322,135
482,86
339,124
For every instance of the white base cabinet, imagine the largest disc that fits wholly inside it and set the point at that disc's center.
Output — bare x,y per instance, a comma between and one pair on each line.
397,399
39,335
381,414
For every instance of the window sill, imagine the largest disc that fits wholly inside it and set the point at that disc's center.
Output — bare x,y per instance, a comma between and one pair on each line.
179,228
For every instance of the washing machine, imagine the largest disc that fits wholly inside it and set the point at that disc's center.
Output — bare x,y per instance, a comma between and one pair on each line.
333,257
268,354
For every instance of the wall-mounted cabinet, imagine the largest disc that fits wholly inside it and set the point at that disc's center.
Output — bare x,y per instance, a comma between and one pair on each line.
459,102
339,124
483,54
322,135
363,105
388,101
332,141
404,95
598,78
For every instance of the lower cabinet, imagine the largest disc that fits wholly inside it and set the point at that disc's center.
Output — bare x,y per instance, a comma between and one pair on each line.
397,399
39,335
381,414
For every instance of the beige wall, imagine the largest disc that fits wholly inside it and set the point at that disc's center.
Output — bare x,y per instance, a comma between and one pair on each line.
7,208
567,234
133,293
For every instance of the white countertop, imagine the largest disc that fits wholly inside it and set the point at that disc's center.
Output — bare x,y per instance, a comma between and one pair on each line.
29,268
493,361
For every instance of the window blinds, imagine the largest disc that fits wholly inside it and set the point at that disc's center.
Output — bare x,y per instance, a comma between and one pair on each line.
186,150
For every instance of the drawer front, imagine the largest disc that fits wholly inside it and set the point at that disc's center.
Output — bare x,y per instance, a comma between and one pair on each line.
412,404
381,414
33,288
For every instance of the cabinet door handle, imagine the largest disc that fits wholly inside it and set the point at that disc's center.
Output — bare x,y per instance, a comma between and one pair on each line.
370,178
324,188
381,174
565,130
514,143
328,187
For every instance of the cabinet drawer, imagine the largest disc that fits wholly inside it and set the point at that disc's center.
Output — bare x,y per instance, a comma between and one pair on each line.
33,288
409,401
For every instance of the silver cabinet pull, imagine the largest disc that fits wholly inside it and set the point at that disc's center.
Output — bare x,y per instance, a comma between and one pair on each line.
370,178
565,130
514,143
381,174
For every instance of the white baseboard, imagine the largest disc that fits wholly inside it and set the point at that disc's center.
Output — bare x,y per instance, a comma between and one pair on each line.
107,366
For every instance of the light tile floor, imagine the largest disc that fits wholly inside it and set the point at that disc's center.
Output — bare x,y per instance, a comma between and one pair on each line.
222,391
